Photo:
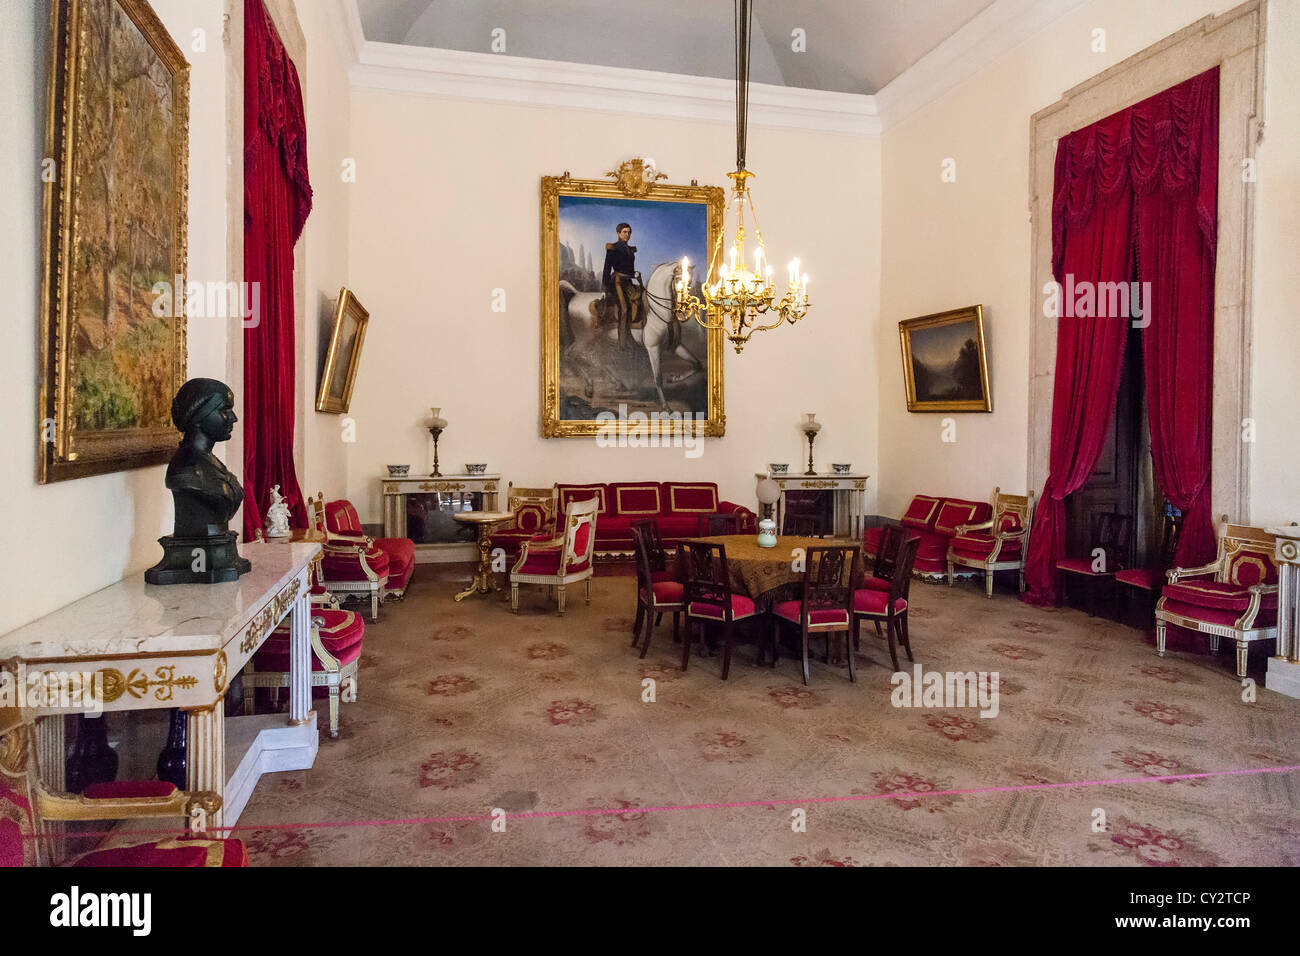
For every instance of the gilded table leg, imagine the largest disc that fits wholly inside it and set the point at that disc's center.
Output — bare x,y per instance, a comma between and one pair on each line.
482,581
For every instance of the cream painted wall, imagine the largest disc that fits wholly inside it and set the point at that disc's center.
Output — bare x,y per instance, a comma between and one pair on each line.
953,244
326,100
446,209
1275,394
65,540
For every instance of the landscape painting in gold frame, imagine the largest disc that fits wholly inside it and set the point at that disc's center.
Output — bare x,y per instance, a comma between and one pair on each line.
344,356
604,334
945,363
115,173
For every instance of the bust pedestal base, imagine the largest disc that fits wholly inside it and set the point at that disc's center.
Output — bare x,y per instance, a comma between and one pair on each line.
216,559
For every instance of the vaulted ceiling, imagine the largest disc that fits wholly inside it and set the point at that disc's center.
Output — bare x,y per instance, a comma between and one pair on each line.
851,46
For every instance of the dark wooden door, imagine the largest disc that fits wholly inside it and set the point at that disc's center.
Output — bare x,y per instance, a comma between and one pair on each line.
1113,485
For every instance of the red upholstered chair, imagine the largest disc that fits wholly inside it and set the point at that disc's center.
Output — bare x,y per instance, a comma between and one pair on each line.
999,544
715,524
919,516
889,607
563,560
709,598
1236,595
888,549
336,638
1108,553
534,517
1149,580
657,593
825,605
355,565
26,805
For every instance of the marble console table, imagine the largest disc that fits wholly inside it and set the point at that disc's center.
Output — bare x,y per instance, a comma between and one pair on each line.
153,647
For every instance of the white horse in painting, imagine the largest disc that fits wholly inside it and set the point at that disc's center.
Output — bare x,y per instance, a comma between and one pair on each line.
660,300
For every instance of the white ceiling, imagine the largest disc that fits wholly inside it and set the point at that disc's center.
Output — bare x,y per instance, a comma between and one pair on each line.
853,46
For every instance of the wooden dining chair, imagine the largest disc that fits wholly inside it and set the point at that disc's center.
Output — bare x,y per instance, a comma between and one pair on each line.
889,607
655,596
825,605
709,598
1107,554
802,526
715,524
887,553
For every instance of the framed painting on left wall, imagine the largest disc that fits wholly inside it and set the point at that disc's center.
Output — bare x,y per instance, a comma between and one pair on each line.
115,179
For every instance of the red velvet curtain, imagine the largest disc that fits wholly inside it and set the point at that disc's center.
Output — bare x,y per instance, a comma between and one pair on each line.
277,201
1140,184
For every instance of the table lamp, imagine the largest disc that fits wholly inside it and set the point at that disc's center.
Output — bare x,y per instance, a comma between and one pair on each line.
435,429
769,493
810,427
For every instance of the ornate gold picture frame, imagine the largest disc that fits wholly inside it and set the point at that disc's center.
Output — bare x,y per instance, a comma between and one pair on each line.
344,356
115,173
945,363
615,360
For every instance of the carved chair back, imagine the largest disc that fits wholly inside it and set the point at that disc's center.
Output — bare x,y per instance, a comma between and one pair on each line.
645,534
828,578
901,583
715,524
887,551
804,526
579,534
707,578
1246,556
533,508
1012,513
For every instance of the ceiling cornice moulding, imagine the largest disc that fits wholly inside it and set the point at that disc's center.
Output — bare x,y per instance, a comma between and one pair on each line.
512,79
991,34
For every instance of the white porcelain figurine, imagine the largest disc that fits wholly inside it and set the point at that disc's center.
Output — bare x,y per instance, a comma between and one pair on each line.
278,516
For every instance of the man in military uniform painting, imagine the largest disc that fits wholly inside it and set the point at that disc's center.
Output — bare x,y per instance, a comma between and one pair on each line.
620,279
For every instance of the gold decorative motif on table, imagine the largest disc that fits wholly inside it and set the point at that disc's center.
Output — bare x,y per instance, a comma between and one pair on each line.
820,484
137,684
219,675
442,486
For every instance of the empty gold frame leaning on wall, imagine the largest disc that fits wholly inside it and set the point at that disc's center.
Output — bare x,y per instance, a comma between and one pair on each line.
113,289
614,354
340,372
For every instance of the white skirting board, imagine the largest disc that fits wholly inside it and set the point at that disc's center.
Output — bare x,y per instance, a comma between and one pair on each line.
264,744
1283,677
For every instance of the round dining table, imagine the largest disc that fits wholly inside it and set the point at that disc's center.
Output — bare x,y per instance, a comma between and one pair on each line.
758,573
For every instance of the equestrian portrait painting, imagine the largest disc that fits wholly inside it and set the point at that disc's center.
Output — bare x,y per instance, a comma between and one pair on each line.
613,348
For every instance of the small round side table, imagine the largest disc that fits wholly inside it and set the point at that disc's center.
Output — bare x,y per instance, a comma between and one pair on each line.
482,582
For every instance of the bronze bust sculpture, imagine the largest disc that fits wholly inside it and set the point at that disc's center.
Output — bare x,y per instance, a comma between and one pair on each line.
206,494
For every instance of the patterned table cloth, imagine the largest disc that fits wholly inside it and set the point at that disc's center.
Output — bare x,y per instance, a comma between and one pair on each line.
758,572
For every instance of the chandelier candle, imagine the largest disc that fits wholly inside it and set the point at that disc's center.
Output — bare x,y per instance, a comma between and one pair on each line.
733,297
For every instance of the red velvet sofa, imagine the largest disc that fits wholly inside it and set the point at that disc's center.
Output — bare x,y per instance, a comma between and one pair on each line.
676,505
936,521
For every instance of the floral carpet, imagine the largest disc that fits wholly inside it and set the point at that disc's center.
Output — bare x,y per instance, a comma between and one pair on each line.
464,709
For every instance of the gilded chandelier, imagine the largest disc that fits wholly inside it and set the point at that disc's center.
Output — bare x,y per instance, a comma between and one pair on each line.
736,296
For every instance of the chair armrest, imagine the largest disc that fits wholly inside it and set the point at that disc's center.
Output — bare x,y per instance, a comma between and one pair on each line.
1174,574
1257,592
356,551
982,526
71,806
